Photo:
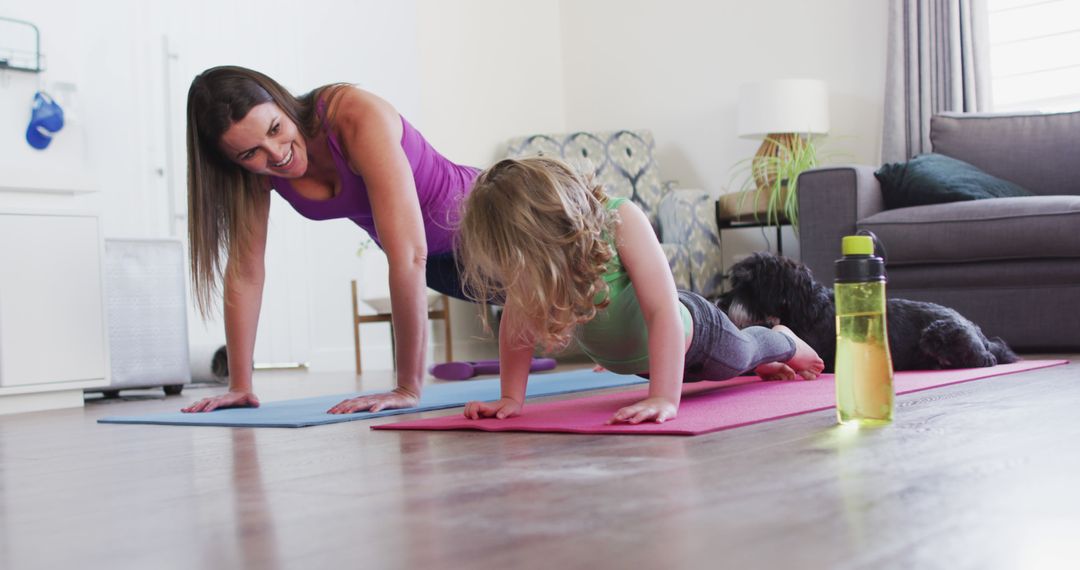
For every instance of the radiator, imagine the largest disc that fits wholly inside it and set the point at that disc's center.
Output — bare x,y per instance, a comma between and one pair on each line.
146,304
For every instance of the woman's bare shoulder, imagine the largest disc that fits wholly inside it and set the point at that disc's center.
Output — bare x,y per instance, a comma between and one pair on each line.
350,107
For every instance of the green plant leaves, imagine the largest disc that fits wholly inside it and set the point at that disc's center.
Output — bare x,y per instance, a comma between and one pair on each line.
773,178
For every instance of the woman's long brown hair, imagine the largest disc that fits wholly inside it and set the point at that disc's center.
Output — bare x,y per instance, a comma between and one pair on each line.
222,195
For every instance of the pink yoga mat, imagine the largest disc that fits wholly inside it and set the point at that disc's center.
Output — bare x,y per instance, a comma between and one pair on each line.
706,406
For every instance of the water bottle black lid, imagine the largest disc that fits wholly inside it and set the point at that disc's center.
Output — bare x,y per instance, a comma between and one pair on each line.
859,264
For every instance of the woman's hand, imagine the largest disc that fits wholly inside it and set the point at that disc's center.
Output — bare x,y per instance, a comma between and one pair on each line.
397,398
226,400
504,408
658,410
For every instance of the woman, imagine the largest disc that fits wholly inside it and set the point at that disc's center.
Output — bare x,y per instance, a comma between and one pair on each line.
336,152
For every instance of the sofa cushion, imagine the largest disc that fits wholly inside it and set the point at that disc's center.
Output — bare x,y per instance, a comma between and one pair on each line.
937,179
1034,227
1002,273
1038,152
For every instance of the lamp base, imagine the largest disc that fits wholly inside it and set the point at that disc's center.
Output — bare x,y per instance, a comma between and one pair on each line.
772,148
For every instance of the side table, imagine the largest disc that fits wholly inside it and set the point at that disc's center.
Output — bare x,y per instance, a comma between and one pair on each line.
724,223
736,242
438,309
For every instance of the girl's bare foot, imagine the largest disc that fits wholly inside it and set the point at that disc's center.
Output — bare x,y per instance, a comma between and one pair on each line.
806,362
775,371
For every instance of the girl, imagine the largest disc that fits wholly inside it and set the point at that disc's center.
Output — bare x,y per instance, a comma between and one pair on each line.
572,264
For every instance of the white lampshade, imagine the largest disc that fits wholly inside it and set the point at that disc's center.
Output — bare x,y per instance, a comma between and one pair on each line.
783,106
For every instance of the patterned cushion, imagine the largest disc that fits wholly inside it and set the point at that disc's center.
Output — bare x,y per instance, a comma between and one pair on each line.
688,217
622,161
678,257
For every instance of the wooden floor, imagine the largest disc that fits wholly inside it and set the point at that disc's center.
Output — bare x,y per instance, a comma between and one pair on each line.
981,475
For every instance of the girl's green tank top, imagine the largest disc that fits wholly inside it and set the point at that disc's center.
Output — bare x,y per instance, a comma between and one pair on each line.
618,338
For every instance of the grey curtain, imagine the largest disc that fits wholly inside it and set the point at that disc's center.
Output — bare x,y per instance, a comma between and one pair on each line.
937,61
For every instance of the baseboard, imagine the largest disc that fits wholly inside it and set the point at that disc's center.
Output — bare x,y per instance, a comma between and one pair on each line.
381,357
39,401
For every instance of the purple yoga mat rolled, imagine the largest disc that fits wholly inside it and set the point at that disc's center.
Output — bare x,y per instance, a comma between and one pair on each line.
466,370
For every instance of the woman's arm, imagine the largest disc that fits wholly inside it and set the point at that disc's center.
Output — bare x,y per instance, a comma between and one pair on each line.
245,275
648,268
515,358
370,131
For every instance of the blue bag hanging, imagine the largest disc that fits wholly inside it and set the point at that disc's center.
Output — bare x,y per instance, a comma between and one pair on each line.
46,118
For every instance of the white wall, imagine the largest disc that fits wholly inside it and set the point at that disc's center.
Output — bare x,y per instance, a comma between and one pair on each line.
675,66
128,107
489,70
468,73
492,70
97,79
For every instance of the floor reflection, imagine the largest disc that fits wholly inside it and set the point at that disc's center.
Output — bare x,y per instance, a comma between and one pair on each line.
255,530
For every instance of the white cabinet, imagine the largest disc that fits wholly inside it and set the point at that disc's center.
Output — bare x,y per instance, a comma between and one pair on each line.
52,319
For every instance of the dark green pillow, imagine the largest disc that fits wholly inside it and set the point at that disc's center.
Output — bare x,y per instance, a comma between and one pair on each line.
936,179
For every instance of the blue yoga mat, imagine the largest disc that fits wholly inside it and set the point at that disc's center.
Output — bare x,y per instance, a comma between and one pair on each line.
312,411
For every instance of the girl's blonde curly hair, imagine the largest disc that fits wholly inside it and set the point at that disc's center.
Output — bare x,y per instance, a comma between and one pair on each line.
535,234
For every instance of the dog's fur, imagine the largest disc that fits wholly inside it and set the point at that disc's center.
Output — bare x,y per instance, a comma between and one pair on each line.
766,290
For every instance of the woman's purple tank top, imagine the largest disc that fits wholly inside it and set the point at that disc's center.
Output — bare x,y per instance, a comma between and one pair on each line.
441,185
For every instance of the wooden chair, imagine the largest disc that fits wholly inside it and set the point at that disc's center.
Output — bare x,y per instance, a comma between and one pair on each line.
384,317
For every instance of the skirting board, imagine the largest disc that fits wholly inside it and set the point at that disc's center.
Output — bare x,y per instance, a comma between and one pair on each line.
40,401
380,357
38,397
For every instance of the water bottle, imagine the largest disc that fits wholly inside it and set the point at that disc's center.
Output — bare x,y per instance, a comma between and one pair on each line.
864,372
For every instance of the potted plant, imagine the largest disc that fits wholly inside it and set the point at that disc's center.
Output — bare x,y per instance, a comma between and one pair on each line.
769,185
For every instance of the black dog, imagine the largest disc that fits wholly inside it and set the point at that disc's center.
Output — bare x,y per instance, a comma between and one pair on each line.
767,290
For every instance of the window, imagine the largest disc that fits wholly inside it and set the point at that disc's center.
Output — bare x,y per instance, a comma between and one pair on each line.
1035,55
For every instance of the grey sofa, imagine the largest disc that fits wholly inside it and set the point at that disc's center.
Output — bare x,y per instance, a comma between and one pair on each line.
1012,265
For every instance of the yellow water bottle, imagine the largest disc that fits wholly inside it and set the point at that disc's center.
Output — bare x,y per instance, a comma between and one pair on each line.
864,373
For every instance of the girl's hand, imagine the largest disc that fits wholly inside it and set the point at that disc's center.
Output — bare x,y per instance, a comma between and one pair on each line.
658,410
504,408
226,400
397,398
